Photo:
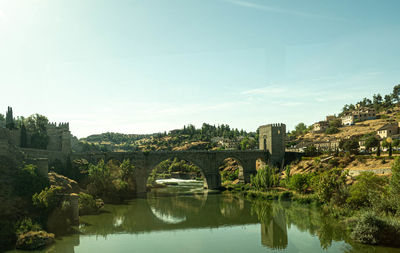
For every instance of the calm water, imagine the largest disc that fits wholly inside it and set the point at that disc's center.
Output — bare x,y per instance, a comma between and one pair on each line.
185,219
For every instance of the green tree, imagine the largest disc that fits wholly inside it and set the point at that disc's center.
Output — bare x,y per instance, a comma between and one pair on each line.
396,93
349,145
264,179
395,179
367,186
300,182
23,136
300,128
330,184
332,130
36,125
10,124
371,142
2,121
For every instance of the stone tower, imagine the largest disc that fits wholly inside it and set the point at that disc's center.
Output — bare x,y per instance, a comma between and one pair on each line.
272,139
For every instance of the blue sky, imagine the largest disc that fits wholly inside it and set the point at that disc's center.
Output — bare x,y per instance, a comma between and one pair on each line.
143,66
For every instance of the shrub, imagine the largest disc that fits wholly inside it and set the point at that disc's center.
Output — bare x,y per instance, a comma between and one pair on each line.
299,182
25,225
332,130
367,186
29,181
264,179
329,184
372,229
48,199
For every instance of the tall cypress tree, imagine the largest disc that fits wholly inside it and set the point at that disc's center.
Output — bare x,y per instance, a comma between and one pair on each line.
23,136
9,119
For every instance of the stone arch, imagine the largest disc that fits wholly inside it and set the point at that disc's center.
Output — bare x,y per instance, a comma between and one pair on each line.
222,161
155,161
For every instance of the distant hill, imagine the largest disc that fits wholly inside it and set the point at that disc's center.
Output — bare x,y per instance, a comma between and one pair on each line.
187,138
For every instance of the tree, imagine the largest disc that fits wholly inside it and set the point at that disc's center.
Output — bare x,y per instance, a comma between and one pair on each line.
395,179
367,186
332,130
371,141
349,145
2,120
36,125
10,119
300,129
396,93
23,136
395,143
388,101
330,184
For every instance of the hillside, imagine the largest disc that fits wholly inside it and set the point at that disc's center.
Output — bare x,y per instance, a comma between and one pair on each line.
188,138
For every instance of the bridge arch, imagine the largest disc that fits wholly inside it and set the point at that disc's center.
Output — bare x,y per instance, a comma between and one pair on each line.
232,162
155,161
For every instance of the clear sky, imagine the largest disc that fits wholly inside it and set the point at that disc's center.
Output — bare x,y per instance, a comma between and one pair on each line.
144,66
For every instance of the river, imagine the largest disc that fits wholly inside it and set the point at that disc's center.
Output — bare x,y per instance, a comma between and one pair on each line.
185,218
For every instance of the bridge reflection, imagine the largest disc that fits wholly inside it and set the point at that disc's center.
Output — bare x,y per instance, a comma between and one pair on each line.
201,211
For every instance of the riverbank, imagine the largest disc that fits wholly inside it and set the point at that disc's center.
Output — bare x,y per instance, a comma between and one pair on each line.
374,224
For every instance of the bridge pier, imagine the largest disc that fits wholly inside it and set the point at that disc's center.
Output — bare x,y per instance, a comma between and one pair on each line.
213,181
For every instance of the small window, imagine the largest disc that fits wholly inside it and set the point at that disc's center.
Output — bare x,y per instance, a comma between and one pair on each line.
279,131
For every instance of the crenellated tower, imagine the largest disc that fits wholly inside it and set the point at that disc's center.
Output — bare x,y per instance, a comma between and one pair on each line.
272,139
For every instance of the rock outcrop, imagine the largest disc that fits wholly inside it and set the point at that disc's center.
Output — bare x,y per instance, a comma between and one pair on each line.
34,240
68,185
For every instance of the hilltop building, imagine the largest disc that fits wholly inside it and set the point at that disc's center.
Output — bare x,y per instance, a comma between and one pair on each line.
320,126
361,114
388,130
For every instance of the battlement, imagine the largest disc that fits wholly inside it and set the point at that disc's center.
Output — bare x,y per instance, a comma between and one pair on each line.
273,125
62,125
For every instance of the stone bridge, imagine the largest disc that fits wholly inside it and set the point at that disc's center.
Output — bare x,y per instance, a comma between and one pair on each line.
207,161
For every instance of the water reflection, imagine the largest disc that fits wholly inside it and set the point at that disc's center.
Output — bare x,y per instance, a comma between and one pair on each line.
210,215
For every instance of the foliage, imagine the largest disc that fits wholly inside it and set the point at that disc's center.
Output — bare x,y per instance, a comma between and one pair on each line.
349,145
111,181
372,229
264,179
37,125
371,141
29,181
311,151
367,186
248,143
48,199
87,204
166,168
395,179
300,182
25,225
332,130
330,185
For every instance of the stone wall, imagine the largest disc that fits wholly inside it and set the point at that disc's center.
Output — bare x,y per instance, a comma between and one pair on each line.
272,139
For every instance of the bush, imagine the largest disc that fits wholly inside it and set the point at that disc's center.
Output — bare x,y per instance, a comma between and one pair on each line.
332,130
264,179
372,229
330,184
25,225
48,199
367,186
299,182
29,181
